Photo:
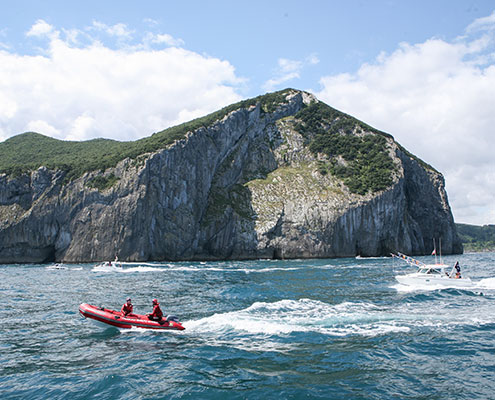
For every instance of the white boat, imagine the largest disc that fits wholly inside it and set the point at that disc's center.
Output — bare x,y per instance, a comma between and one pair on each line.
57,266
432,274
108,265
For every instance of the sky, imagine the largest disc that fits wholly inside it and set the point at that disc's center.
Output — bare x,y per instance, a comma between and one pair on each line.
422,71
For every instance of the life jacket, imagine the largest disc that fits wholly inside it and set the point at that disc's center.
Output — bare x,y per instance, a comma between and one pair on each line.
157,312
126,309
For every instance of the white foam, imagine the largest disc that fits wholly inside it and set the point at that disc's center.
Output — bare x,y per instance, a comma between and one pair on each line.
264,320
55,267
269,269
141,264
124,270
189,268
426,287
141,269
145,331
487,283
305,315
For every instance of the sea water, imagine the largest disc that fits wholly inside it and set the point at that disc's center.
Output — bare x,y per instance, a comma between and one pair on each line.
286,329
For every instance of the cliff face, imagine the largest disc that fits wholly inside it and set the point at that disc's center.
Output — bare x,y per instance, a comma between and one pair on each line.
247,186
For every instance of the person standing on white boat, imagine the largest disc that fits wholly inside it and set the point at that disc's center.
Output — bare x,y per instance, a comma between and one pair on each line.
457,270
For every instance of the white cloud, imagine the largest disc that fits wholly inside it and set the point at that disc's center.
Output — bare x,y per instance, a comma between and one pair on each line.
119,30
81,125
40,28
8,108
42,126
437,99
165,39
3,34
151,22
312,59
80,88
482,24
288,70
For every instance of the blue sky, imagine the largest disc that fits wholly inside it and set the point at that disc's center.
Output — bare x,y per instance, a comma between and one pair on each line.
423,71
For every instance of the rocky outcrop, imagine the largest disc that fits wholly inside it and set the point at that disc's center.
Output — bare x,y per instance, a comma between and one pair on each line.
247,186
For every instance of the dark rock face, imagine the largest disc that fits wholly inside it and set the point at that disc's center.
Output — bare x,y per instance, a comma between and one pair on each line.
244,187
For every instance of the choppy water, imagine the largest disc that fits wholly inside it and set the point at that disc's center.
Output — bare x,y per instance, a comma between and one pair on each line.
329,329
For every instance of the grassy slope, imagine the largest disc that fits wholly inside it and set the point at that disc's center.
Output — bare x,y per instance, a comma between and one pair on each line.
30,150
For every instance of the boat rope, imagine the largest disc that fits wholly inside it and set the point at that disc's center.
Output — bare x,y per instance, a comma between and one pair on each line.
408,260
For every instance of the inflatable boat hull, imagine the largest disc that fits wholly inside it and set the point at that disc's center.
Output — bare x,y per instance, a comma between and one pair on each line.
117,319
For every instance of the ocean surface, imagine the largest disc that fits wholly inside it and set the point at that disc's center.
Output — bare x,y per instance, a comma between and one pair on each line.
297,329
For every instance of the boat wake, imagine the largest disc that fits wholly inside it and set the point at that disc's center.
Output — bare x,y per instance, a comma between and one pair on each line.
262,325
487,283
132,267
56,267
305,315
124,270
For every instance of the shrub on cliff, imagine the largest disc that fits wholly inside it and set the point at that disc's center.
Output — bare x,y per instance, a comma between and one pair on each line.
364,149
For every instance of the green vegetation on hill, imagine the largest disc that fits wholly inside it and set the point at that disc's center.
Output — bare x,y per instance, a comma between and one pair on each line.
367,165
103,182
477,238
29,151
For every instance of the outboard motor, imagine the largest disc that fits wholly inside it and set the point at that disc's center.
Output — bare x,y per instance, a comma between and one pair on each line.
172,318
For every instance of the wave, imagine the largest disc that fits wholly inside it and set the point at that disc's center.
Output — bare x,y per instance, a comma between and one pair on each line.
287,317
188,268
124,270
56,267
487,283
305,315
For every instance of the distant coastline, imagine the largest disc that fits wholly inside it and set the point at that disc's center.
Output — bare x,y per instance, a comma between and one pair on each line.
477,239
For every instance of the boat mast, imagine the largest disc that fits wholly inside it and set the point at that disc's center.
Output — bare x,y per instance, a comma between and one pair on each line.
435,250
440,246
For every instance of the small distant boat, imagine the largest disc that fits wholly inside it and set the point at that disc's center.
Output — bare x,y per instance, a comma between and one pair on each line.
57,266
431,274
109,265
106,317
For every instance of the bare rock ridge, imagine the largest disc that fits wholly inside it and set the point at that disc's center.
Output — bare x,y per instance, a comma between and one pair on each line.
280,177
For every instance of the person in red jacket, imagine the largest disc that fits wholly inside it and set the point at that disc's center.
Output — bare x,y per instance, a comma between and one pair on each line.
127,308
157,313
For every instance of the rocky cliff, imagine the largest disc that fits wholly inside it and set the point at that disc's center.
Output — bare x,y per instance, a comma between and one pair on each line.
262,181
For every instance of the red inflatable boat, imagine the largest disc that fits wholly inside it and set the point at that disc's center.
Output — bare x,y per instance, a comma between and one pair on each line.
117,319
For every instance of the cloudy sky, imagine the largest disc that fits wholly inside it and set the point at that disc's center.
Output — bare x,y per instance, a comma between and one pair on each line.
423,71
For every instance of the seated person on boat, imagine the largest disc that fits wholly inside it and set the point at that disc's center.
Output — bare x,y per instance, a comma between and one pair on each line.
156,314
127,308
